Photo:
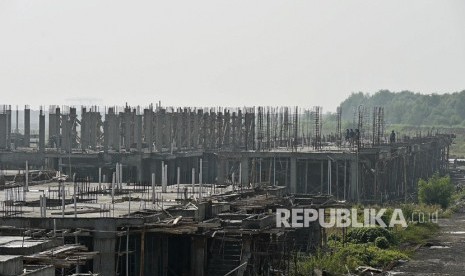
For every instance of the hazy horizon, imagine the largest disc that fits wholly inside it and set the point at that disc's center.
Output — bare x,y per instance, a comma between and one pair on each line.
223,53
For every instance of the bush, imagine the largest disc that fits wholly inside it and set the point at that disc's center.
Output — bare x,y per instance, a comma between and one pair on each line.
381,242
369,234
437,190
334,237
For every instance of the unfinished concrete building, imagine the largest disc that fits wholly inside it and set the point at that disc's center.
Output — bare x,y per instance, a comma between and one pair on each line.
192,191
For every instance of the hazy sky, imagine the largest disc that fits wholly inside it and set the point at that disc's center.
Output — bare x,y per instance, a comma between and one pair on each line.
227,53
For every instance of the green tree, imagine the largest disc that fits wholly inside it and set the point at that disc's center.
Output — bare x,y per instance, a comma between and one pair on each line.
410,108
437,190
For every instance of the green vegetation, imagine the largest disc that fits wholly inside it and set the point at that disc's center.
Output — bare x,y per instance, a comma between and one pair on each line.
382,242
368,234
410,108
372,246
437,190
348,257
417,233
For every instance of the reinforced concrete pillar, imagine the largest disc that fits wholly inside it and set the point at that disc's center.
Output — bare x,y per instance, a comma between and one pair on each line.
138,132
198,256
27,127
293,184
100,178
41,131
105,243
148,128
200,178
3,130
221,171
8,120
354,180
193,180
140,171
117,175
120,177
244,171
153,187
164,177
26,174
178,178
329,177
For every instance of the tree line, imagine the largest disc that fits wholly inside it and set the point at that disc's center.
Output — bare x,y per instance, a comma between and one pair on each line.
411,108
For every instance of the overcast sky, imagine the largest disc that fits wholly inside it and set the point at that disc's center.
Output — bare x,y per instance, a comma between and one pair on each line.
227,53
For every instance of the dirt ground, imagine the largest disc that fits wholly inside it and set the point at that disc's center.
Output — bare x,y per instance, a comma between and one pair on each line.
445,253
446,256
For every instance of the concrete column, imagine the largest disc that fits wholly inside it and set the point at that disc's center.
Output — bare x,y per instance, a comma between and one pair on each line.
113,180
221,171
138,132
178,177
198,256
139,172
293,184
244,171
99,178
329,177
60,164
8,112
193,179
158,130
345,179
116,175
106,134
274,171
163,176
180,128
3,131
27,127
354,180
105,244
41,131
200,179
153,187
306,177
26,182
240,173
120,175
148,128
188,118
165,179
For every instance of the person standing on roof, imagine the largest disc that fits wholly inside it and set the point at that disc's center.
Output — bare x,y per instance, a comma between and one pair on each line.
392,138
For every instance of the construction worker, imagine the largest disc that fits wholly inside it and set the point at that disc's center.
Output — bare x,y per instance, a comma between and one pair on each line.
351,137
392,138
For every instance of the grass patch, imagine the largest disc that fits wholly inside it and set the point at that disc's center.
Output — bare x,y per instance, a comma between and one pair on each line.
348,257
417,233
372,246
361,251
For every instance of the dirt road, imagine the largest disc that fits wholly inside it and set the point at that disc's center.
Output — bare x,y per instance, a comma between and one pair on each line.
446,256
